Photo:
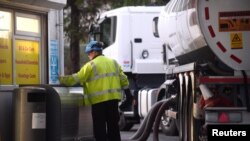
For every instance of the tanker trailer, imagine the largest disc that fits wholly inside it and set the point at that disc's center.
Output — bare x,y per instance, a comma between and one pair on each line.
209,73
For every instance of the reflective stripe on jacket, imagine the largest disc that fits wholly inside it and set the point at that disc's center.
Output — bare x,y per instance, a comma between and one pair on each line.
102,79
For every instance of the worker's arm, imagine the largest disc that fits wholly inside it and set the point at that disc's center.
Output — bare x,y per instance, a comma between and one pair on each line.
128,101
76,78
68,80
123,78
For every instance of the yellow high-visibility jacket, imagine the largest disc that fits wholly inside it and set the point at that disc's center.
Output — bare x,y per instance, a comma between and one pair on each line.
102,79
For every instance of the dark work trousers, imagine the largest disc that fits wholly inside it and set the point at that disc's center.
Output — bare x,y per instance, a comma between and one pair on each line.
105,120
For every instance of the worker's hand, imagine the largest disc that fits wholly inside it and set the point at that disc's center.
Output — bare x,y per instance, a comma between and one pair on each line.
128,102
67,80
60,78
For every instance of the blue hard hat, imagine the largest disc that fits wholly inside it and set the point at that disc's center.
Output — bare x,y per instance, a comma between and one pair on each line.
93,46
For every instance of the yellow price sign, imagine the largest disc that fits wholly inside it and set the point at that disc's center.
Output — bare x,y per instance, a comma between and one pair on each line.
5,60
27,62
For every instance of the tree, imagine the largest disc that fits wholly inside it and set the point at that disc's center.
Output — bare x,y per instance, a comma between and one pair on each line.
78,15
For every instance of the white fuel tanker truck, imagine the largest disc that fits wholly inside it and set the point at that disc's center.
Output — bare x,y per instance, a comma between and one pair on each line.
201,59
210,73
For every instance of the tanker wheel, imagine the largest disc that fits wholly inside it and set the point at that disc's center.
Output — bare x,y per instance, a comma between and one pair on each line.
124,124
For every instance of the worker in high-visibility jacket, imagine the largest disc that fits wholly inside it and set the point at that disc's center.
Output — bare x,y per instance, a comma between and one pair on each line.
103,80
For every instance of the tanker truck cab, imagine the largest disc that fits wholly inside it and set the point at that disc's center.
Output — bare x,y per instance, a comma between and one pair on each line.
127,36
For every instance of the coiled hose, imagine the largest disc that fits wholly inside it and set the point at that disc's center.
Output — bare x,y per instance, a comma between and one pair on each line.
153,116
167,103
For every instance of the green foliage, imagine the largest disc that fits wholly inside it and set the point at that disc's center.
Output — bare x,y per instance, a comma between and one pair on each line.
78,15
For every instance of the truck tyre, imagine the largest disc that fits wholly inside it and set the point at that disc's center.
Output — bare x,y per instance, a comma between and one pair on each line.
124,125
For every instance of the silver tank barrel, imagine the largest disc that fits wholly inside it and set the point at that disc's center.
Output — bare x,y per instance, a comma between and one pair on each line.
205,30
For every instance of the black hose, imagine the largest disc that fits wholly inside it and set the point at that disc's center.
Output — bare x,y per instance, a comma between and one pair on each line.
167,103
146,126
146,121
150,123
